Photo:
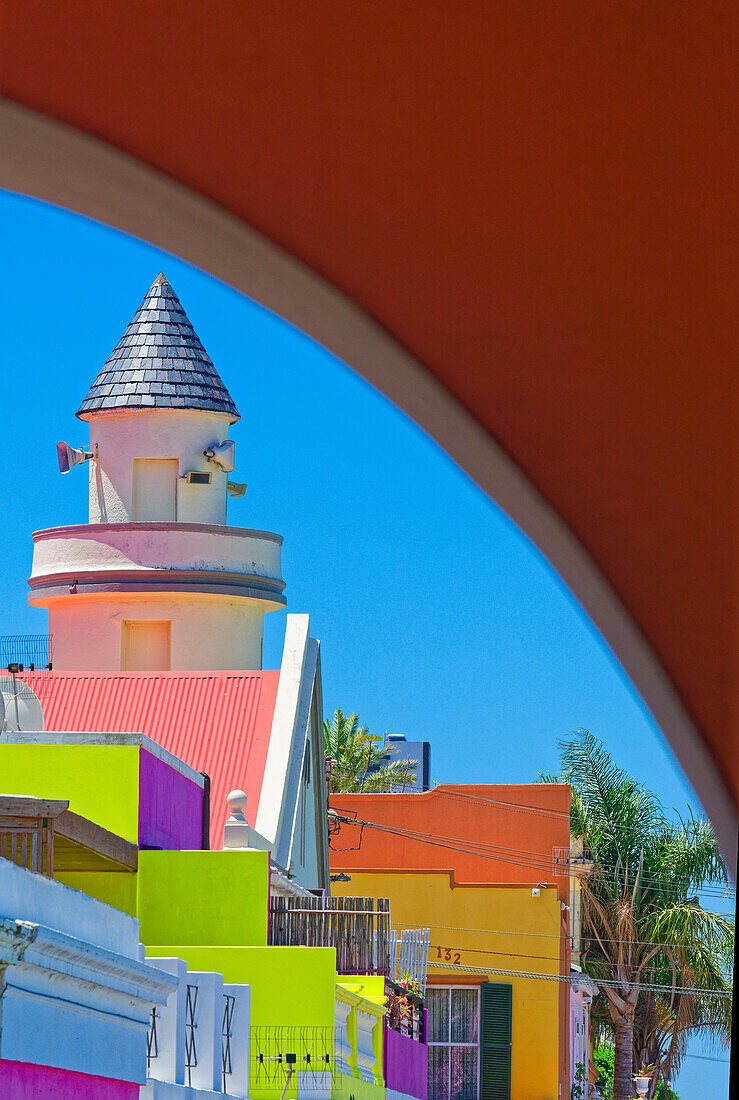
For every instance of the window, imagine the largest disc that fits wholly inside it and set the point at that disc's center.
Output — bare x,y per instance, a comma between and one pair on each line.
454,1042
155,489
145,645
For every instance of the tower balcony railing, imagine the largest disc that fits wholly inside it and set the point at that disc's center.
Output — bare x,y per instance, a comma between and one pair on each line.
89,557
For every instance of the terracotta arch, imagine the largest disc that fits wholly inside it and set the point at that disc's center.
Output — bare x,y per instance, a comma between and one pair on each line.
514,219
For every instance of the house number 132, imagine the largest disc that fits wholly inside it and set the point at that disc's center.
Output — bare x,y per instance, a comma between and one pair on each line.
446,954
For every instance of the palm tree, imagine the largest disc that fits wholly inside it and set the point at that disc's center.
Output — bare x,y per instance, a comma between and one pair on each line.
357,759
642,923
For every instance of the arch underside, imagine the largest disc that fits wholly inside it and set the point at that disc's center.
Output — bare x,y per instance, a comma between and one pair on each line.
52,162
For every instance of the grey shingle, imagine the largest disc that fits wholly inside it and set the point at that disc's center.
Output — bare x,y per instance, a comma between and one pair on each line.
159,362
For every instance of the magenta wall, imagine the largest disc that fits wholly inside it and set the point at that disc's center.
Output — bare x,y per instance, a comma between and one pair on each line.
21,1081
170,806
406,1064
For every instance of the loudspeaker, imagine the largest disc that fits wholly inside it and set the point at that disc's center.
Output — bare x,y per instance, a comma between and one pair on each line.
222,454
68,457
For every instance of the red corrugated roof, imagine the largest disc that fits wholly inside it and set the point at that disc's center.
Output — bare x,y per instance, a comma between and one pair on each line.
217,722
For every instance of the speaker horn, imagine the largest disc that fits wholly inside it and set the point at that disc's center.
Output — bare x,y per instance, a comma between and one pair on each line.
68,457
222,454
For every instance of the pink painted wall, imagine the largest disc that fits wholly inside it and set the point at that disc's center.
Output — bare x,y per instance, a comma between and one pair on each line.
170,806
406,1064
22,1081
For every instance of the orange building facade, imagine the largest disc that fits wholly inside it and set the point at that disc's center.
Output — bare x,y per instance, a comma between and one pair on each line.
485,868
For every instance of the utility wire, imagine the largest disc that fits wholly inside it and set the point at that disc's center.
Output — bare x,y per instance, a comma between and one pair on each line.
537,810
577,979
543,865
535,856
709,891
552,936
541,862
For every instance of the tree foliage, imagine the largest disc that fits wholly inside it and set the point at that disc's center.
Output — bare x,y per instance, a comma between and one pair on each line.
357,759
642,921
603,1060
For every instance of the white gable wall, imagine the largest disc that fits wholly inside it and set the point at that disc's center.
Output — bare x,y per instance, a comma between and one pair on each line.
296,723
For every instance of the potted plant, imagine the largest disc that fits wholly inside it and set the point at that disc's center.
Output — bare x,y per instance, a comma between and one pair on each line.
642,1080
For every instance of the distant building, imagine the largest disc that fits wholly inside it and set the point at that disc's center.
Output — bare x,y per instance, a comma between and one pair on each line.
418,751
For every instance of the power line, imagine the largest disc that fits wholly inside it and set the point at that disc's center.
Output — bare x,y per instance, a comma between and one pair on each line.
540,862
553,936
579,978
534,810
537,810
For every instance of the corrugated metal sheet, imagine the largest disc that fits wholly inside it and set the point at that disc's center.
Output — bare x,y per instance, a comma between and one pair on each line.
218,722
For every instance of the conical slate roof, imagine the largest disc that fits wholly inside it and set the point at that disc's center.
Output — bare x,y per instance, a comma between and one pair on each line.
159,363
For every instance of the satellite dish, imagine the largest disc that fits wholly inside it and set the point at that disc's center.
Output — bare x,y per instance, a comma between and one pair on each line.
222,454
67,457
20,708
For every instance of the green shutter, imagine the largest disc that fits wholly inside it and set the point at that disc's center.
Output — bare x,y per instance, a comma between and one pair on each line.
495,1045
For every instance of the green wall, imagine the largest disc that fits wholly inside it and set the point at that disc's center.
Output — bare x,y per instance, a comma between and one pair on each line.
100,782
369,986
208,899
114,888
354,1088
290,986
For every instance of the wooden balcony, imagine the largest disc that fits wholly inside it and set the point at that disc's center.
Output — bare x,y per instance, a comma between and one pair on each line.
45,836
359,929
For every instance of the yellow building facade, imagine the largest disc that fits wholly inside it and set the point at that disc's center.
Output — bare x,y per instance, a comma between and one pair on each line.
475,932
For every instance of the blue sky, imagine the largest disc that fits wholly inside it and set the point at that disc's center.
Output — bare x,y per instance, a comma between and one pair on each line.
437,618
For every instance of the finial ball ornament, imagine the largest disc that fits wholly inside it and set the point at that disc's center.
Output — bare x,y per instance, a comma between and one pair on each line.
237,804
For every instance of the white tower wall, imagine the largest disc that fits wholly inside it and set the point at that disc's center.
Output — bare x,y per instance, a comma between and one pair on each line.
203,632
121,486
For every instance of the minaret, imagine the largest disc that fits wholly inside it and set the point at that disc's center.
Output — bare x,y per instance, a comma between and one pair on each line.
156,580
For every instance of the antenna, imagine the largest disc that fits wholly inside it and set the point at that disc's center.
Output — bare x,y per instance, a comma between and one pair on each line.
222,454
67,457
25,659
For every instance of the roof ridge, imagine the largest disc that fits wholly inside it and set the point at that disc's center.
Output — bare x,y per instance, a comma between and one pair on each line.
158,363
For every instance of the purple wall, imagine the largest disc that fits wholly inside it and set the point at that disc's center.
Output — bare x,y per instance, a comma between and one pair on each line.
170,806
406,1064
22,1081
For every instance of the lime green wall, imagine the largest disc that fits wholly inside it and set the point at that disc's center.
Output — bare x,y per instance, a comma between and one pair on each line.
369,986
290,986
114,888
344,1088
204,898
100,782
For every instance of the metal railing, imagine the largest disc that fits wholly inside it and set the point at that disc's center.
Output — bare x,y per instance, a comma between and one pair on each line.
191,1049
152,1039
228,1011
359,929
279,1052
